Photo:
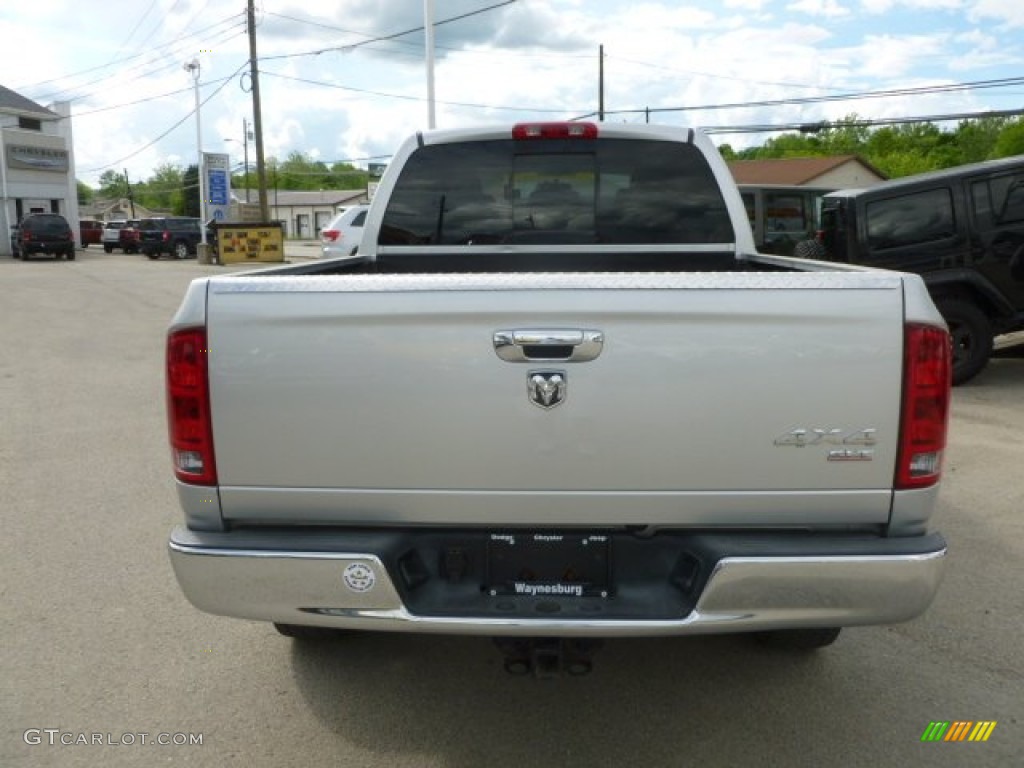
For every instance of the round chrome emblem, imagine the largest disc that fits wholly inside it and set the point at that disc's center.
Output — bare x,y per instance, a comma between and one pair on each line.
360,577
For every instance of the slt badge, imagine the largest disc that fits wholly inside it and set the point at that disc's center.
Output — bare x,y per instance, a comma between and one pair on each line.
546,389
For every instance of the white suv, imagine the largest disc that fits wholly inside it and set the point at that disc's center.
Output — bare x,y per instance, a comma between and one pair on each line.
340,238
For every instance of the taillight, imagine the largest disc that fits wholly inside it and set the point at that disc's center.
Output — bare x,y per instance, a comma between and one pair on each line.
188,407
330,235
166,236
554,131
927,370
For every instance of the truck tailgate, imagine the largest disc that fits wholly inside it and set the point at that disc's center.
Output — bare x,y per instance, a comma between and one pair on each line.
743,399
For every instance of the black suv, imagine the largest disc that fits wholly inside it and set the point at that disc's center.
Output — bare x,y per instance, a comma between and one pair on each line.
961,229
176,236
43,233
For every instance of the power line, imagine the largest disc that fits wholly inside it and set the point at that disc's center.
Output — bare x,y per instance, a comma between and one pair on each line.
919,91
164,51
383,38
163,135
866,123
718,77
404,97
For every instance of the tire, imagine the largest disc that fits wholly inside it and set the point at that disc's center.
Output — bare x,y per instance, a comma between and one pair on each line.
69,255
180,250
809,249
971,334
153,256
301,632
799,639
108,249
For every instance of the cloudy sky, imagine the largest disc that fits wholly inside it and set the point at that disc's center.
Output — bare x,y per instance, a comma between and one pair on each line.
345,80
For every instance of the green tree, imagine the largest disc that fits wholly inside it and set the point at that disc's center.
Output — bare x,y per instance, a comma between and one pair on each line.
788,145
347,176
1011,140
190,192
848,136
163,190
300,172
112,185
728,153
976,139
86,194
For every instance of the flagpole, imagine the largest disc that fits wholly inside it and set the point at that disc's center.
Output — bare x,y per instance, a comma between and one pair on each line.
428,29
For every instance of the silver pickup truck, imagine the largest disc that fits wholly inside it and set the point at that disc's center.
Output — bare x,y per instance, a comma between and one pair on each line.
557,394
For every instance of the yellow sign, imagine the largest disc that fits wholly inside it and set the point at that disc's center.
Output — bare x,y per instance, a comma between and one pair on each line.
244,242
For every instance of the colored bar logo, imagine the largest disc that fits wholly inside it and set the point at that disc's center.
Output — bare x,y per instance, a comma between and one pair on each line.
958,730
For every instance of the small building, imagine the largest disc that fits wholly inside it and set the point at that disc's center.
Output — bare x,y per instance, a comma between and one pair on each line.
837,172
37,162
113,210
303,213
783,196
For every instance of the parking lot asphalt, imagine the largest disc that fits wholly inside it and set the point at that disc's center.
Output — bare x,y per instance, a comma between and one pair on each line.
97,642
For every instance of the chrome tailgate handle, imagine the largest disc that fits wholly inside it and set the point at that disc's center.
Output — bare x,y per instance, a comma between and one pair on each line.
560,344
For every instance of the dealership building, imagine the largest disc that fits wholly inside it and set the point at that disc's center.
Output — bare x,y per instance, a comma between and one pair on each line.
37,162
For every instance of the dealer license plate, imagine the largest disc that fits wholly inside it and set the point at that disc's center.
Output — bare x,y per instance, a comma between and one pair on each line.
552,565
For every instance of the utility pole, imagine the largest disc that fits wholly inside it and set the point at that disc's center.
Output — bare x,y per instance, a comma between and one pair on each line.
257,118
131,199
245,154
600,83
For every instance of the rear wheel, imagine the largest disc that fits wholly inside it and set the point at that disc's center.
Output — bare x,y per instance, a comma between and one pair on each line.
799,639
108,249
971,334
809,249
70,255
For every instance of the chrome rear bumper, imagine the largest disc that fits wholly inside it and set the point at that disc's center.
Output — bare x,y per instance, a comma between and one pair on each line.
354,589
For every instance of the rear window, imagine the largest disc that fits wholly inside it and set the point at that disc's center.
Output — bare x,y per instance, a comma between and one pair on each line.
921,217
48,225
556,192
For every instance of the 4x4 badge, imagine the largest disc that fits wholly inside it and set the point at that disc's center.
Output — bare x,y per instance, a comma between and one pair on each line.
546,389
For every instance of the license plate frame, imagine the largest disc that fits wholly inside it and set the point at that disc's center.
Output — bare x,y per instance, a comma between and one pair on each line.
549,565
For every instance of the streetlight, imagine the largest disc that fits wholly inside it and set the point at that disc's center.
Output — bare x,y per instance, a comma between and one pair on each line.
193,67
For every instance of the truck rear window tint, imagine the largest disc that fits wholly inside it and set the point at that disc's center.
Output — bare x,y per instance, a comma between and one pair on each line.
556,193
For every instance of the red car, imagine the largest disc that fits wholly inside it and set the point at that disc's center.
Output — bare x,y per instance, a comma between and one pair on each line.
91,231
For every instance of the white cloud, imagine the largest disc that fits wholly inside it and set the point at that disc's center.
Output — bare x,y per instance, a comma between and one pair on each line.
1010,12
829,9
885,6
535,55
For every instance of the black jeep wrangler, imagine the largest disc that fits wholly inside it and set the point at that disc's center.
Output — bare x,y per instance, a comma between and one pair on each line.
961,229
